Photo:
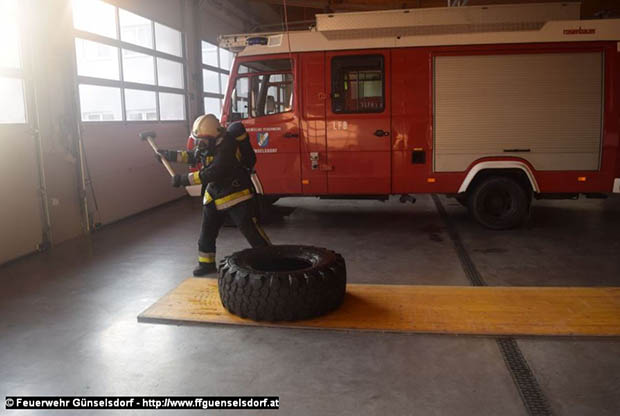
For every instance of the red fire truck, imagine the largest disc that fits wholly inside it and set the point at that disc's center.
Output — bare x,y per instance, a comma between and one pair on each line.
492,105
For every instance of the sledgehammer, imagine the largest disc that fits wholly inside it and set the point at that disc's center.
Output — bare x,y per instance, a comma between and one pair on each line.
149,136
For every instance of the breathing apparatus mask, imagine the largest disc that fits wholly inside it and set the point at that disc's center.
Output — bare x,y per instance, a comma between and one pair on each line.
205,132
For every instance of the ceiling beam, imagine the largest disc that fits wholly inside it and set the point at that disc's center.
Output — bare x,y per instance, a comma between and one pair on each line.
367,5
334,5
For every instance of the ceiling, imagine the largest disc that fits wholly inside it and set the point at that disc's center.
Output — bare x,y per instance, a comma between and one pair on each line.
301,12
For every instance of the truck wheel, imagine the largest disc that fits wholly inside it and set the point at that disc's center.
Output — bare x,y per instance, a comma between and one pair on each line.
499,203
282,283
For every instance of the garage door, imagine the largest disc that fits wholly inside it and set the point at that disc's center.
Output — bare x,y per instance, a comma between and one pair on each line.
19,184
20,207
545,107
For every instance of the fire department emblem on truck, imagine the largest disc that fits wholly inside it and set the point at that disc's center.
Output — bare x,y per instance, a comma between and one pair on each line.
262,138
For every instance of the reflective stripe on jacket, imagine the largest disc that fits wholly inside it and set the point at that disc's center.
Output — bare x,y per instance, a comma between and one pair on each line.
226,170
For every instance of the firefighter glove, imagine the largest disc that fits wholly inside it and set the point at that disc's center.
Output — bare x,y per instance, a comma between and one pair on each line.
170,155
180,180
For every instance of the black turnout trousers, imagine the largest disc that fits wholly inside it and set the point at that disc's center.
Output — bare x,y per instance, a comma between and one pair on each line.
244,217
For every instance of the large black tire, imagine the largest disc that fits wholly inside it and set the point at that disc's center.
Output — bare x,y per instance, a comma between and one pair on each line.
282,283
499,203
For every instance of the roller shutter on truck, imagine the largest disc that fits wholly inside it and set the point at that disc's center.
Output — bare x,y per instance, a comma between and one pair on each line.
545,107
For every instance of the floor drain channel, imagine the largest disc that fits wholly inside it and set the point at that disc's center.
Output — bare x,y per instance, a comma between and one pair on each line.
531,394
533,397
468,265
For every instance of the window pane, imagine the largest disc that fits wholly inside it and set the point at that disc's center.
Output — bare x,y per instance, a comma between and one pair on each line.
100,103
224,83
213,106
272,94
209,54
357,84
169,73
140,105
96,59
138,67
240,100
9,35
12,109
210,81
94,16
168,40
226,59
171,106
135,29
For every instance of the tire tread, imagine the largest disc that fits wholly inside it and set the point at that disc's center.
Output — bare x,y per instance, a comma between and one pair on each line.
288,296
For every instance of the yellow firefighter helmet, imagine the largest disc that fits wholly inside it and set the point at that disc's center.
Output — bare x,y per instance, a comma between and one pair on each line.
207,125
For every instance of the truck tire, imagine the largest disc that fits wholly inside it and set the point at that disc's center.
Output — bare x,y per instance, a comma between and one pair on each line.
499,203
282,283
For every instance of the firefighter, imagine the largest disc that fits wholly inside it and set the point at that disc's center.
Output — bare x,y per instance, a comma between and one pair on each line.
227,161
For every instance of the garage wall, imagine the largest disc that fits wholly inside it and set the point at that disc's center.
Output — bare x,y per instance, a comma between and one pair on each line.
52,74
21,221
221,17
169,12
135,181
125,177
20,210
35,211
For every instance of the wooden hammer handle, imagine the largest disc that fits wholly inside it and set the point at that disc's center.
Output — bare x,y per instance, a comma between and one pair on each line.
164,161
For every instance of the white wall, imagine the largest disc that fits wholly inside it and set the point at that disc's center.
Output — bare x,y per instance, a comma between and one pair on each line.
125,176
20,206
50,25
168,12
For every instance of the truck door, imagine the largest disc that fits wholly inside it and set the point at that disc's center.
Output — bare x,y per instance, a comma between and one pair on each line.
358,122
262,98
313,145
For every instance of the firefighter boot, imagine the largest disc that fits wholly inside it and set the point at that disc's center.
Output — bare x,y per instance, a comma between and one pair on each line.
204,269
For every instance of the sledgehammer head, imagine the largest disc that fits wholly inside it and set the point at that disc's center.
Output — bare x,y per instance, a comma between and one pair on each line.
146,134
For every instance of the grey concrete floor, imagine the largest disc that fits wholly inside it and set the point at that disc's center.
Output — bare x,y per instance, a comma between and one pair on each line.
68,316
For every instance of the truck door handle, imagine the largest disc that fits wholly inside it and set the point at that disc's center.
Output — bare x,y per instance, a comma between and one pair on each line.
381,133
289,134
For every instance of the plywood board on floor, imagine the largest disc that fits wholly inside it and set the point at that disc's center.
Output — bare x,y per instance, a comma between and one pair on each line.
564,311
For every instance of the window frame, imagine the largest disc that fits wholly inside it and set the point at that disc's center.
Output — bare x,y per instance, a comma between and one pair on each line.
237,78
259,74
121,83
22,74
249,75
154,23
333,81
221,94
